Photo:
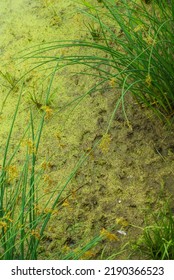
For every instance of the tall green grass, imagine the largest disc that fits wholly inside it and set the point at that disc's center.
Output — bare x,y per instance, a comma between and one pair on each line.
25,210
134,52
157,242
21,224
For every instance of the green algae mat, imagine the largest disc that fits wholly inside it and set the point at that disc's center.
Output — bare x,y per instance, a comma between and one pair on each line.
90,191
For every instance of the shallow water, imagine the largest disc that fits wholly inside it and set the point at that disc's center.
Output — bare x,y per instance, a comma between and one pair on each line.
123,180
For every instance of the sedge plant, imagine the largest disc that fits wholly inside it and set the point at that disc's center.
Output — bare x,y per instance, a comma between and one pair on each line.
24,210
157,242
134,52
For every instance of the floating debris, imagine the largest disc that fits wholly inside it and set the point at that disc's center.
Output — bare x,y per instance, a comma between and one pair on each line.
121,232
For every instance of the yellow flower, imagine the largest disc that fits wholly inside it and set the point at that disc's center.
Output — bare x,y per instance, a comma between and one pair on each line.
149,40
148,80
88,255
30,144
112,82
35,233
105,143
55,212
44,165
122,222
3,225
108,235
48,111
37,208
7,217
48,210
65,203
12,172
48,179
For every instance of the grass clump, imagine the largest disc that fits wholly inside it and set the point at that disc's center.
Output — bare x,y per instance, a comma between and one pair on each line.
10,80
25,209
157,242
134,51
22,221
131,51
140,50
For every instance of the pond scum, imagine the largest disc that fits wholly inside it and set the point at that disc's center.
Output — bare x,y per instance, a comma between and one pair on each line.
86,135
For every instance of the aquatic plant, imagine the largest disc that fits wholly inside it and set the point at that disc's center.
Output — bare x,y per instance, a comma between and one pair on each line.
135,55
39,103
157,242
94,32
11,81
24,209
137,47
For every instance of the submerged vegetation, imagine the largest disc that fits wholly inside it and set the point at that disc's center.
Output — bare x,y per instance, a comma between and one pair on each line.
129,50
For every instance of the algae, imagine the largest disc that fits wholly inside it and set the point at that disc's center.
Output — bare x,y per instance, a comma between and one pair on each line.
125,178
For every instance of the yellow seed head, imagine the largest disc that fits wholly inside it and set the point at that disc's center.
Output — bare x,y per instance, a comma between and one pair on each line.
148,80
112,82
88,255
35,233
3,225
105,143
149,40
12,172
122,222
65,203
48,111
108,235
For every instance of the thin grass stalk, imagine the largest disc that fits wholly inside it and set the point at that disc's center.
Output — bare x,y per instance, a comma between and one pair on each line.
22,218
3,173
32,214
